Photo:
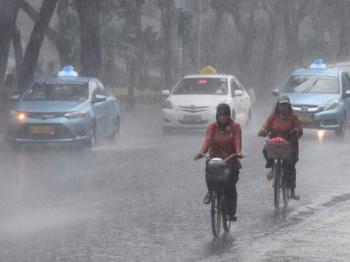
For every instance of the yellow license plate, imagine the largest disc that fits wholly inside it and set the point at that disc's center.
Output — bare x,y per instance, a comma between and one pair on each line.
42,129
192,117
305,118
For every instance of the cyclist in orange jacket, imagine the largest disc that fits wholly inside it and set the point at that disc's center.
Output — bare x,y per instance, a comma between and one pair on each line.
285,124
223,138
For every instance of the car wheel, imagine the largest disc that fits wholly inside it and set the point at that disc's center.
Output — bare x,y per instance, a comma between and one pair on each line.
233,114
249,119
15,145
166,130
91,140
339,132
116,128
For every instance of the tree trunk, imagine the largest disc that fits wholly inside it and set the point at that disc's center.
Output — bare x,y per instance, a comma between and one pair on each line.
36,39
90,37
8,16
18,50
167,15
216,30
267,65
133,18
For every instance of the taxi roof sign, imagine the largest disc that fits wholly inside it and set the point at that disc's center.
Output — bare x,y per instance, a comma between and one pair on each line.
318,64
67,71
208,70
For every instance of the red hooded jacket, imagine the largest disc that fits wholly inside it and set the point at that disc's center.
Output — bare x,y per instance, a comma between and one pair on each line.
223,143
281,127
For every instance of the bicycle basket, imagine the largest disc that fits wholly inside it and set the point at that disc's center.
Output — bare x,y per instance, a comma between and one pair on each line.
218,171
278,148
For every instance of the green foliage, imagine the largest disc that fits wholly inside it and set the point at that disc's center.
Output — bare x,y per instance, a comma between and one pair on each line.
184,25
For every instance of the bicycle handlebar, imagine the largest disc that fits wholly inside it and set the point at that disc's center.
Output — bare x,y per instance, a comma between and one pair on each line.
235,155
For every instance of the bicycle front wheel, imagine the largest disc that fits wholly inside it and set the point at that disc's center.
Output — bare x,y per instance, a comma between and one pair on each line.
226,224
215,214
276,171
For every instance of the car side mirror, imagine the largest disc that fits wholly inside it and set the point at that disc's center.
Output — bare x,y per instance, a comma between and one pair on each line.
238,93
165,92
99,98
275,92
347,93
13,98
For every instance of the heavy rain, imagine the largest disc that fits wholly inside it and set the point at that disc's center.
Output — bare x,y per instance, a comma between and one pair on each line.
104,105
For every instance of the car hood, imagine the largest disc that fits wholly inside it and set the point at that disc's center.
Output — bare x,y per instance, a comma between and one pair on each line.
197,100
49,106
310,99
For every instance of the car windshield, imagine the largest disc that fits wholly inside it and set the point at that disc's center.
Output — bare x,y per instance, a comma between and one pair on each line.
312,84
201,86
53,91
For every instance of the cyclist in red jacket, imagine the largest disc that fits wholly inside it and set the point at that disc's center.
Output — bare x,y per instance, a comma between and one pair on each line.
285,124
223,138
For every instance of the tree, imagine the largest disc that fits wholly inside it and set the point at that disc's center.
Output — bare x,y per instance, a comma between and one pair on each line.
31,54
90,36
247,31
273,9
167,10
8,16
293,13
134,33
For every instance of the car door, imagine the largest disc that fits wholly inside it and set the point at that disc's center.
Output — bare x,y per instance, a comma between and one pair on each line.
237,98
110,109
246,101
346,99
99,109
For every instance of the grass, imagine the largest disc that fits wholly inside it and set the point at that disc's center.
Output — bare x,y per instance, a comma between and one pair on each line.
143,96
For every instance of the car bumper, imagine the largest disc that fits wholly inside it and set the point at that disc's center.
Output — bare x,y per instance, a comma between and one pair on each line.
329,119
58,130
177,118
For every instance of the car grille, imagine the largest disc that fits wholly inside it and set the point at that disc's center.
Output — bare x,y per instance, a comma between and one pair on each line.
187,122
193,109
307,108
60,132
43,116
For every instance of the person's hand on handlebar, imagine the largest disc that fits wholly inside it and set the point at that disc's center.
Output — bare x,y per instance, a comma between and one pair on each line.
295,133
239,155
198,156
262,132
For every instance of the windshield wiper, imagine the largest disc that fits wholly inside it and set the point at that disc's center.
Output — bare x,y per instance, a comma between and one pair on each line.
308,89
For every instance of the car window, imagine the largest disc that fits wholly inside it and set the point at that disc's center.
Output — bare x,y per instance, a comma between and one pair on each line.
234,86
201,86
103,90
94,88
312,84
56,91
345,82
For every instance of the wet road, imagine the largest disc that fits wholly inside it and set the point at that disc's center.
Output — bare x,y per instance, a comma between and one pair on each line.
141,200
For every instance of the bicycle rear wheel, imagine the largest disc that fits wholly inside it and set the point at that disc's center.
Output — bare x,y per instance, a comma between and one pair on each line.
226,224
276,171
215,214
285,189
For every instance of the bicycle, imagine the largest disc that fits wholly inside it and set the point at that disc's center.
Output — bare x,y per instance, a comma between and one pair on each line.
219,174
279,150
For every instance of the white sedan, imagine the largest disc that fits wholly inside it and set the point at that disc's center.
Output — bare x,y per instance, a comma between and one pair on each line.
193,100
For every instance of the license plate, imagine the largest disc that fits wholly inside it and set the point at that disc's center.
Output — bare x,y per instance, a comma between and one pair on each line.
193,118
42,129
305,118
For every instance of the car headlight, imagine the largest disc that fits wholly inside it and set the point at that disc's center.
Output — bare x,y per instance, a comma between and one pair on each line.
18,115
77,114
167,104
331,104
